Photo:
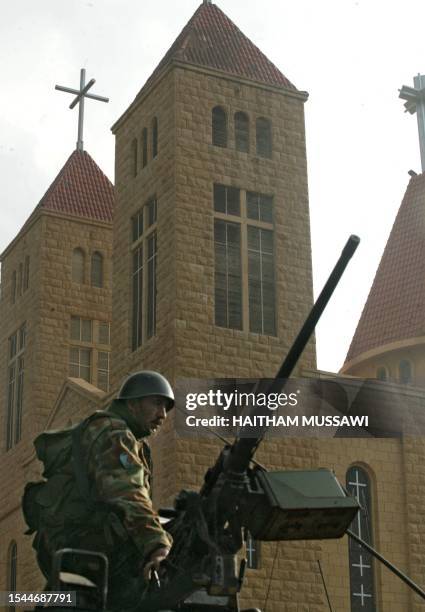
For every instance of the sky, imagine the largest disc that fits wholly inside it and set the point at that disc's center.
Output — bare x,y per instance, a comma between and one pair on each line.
352,56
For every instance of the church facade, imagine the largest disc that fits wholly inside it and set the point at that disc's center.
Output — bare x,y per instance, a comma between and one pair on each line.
199,266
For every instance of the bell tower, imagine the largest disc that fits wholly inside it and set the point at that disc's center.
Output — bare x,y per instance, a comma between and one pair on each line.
212,259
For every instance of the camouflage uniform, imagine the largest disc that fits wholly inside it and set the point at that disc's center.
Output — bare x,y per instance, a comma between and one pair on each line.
118,519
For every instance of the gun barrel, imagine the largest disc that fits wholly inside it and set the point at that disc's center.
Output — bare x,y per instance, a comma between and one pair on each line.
244,448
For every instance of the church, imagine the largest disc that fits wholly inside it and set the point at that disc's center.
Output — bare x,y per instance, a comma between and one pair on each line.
197,263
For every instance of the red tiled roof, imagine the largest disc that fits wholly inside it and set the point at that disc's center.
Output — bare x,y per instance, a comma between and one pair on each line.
80,189
395,308
212,40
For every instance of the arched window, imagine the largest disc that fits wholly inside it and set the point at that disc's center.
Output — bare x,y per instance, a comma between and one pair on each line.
219,127
134,156
154,137
362,588
242,132
78,264
97,269
382,373
405,372
144,147
12,570
264,137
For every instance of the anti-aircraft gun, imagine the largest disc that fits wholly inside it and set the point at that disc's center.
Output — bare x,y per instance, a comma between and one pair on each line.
238,494
201,572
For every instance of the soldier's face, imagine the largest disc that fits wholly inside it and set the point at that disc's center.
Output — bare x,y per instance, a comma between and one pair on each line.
150,412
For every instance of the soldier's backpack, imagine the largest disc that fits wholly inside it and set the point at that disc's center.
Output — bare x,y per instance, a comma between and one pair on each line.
63,498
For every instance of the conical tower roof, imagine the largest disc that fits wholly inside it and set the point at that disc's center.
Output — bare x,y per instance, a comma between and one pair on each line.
211,40
395,308
80,189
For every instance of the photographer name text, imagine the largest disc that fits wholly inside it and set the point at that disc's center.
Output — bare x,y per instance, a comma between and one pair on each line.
263,420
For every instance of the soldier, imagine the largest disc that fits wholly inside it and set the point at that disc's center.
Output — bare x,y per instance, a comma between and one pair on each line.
97,494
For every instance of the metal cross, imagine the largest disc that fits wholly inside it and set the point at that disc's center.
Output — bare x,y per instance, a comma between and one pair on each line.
251,550
80,95
361,565
357,484
415,103
362,594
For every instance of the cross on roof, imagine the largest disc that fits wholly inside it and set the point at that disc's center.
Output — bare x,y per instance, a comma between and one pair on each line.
415,103
80,95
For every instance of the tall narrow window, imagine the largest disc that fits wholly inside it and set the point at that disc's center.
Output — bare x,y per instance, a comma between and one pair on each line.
264,137
20,278
259,207
104,333
13,287
12,570
244,260
361,562
15,386
144,147
151,322
97,269
144,255
219,127
88,351
80,356
80,363
242,132
103,370
78,264
137,296
228,282
26,272
154,137
405,372
261,281
134,161
227,200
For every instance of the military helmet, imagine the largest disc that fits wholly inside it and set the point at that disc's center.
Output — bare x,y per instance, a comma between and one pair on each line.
145,384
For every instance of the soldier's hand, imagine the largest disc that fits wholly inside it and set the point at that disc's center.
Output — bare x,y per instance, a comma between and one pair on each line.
155,559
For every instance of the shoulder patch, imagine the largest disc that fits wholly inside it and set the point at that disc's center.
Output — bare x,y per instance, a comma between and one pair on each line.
126,461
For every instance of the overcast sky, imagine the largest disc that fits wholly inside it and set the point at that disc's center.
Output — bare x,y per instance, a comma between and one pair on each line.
352,56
